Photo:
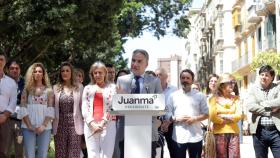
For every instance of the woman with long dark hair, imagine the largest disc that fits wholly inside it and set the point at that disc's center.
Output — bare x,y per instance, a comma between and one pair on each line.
68,122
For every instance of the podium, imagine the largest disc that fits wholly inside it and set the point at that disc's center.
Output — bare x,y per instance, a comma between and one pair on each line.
138,110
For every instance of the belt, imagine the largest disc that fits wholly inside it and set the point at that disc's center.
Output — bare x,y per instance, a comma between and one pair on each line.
269,128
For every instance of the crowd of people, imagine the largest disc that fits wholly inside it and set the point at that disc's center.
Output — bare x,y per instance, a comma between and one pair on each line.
79,118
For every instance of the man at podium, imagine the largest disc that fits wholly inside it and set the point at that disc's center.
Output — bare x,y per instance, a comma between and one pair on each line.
138,83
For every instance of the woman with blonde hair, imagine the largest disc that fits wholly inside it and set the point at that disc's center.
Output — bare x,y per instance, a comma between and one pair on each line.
36,111
225,112
68,122
100,126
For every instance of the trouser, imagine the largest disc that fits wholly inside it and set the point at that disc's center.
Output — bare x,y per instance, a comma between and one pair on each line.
101,145
266,137
15,133
169,140
227,145
5,139
194,149
36,145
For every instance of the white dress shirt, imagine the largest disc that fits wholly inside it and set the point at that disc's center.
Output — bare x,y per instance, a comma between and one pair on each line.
192,103
8,94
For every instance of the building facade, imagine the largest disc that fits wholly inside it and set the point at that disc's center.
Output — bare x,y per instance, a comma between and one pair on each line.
172,65
231,34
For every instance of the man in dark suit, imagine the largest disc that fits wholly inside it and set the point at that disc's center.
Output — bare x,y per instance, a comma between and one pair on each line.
138,82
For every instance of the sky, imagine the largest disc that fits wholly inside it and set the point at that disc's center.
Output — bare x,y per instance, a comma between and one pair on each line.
163,48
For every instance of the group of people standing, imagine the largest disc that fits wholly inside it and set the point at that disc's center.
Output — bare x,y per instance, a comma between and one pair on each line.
34,109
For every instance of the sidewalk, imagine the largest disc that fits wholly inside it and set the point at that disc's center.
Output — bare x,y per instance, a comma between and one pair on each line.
247,149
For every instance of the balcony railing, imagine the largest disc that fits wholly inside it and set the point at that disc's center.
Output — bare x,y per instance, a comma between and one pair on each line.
240,63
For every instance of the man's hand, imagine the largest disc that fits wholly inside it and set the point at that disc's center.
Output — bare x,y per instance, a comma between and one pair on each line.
120,90
164,126
190,119
180,118
275,110
3,118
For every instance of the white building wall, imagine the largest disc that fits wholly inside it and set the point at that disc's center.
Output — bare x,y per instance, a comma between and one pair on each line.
174,71
277,12
228,37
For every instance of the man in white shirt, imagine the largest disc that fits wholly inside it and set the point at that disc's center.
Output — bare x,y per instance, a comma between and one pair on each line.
8,101
187,107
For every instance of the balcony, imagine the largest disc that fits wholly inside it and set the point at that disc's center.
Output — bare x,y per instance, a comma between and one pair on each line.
245,32
217,14
240,63
252,16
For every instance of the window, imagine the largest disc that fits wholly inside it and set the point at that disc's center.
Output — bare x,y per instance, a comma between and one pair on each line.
271,31
259,34
221,25
221,63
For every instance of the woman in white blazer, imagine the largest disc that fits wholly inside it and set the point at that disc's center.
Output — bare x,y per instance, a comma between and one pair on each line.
68,122
100,126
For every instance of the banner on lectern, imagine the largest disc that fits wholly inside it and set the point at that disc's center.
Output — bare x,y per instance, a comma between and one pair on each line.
138,103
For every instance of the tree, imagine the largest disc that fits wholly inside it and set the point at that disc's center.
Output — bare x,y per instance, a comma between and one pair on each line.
269,57
81,31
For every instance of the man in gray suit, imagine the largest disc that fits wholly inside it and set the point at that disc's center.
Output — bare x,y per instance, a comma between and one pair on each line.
264,104
138,82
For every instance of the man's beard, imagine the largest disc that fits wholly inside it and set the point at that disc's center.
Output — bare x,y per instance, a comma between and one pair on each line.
186,87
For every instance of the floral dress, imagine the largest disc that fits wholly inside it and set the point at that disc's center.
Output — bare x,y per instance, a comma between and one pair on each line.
67,141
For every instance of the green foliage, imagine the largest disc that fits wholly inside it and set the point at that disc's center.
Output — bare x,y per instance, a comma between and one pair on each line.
269,57
81,31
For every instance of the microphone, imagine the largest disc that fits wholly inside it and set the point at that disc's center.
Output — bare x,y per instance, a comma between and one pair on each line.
147,89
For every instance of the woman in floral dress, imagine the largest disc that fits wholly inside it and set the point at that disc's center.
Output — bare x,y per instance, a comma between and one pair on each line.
68,122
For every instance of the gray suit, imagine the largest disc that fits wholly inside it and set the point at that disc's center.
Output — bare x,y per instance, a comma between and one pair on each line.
151,85
259,99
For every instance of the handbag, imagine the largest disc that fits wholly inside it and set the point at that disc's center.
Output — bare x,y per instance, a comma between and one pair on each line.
210,145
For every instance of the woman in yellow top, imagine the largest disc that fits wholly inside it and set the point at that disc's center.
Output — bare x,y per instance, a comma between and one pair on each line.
225,112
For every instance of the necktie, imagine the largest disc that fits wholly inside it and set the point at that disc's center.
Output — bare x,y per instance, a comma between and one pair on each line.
137,83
